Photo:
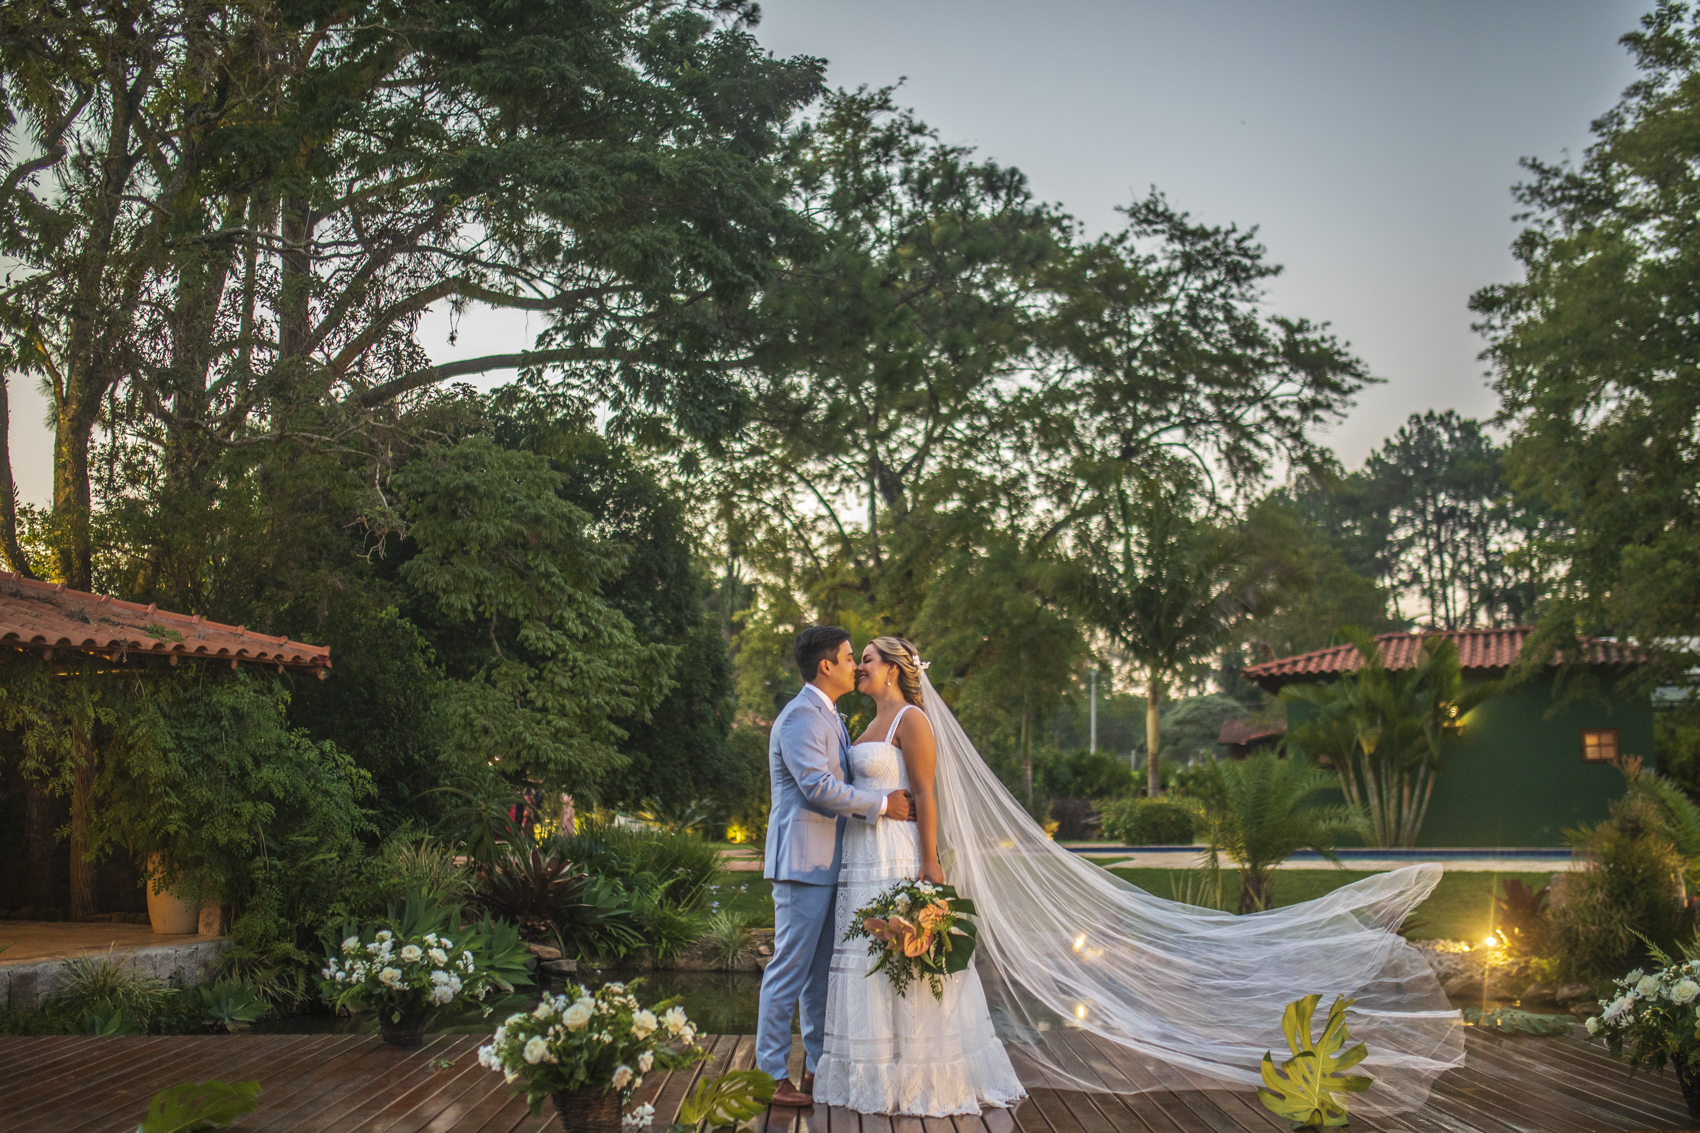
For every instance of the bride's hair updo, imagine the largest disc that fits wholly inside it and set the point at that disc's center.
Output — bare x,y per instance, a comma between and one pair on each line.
901,653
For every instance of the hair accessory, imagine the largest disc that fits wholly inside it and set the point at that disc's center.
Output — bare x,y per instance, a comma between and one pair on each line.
915,660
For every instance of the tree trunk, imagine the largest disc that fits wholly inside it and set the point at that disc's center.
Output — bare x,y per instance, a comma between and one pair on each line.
38,832
15,557
1256,890
1153,701
84,900
72,424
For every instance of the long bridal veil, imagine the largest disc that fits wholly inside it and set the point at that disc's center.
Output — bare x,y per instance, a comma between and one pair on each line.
1098,985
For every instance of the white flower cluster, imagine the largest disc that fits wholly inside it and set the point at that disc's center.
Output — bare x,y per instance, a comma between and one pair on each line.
639,1118
1678,985
605,1033
425,965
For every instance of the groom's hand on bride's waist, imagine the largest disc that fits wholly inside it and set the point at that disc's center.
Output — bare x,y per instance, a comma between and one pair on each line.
900,805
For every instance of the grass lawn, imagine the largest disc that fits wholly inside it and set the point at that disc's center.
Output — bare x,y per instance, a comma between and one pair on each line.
1460,908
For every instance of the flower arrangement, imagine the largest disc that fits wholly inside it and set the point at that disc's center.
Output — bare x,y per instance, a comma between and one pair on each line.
917,930
1655,1017
413,962
600,1042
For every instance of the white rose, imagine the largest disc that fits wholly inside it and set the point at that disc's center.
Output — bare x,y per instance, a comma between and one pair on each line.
1648,986
501,1034
543,1010
438,957
1617,1009
688,1033
350,945
1684,991
390,977
1593,1025
622,1076
535,1049
411,953
643,1024
385,934
487,1056
430,938
646,1061
576,1016
674,1020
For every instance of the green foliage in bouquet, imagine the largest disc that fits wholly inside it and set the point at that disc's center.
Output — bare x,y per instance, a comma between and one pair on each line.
1512,1021
582,1040
727,1101
1303,1091
196,1106
1653,1020
917,930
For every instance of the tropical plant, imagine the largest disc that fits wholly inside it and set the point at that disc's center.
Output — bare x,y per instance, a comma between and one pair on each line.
604,925
229,1002
1520,916
684,863
686,818
106,984
1147,822
1171,588
1201,887
1387,731
1258,812
727,1101
197,1106
1627,890
428,865
108,1021
728,936
1305,1091
279,972
537,888
559,1046
479,814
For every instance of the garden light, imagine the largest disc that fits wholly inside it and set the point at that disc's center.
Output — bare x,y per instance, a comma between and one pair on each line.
1080,942
1491,940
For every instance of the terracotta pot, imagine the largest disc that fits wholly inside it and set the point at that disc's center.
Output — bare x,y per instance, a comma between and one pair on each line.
408,1031
588,1111
1690,1090
169,914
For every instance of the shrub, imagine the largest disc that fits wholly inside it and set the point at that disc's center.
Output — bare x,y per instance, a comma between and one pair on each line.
1147,822
1630,886
1076,819
729,936
638,858
102,985
1520,914
423,863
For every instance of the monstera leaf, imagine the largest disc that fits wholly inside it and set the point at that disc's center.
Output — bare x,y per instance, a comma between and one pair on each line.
195,1106
1303,1091
728,1099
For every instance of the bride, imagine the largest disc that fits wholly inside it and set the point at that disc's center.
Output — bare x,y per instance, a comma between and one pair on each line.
1093,983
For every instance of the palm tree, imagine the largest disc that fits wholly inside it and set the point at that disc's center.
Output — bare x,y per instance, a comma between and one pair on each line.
1257,813
1386,731
1170,588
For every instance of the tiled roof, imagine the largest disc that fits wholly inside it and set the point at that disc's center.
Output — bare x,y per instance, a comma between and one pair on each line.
1477,649
1239,733
47,617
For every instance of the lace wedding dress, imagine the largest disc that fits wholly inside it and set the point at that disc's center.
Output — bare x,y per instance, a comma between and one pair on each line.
894,1054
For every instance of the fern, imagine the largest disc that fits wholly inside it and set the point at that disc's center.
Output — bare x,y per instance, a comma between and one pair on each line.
1303,1091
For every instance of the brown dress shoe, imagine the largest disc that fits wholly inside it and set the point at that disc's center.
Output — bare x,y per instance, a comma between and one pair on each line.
791,1097
807,1085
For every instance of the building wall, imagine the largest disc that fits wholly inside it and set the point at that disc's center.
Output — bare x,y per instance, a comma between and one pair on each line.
1516,776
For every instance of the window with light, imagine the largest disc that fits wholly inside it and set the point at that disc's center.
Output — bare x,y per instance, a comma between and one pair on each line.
1599,745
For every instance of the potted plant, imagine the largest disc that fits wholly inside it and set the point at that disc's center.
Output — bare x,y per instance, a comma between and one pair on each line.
169,911
588,1051
1652,1021
414,962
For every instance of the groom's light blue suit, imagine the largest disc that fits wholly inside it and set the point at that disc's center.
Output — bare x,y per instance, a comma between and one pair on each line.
808,763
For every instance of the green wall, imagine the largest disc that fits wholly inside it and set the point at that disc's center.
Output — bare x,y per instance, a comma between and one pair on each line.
1516,776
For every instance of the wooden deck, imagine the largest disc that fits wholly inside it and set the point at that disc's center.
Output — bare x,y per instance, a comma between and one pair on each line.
326,1083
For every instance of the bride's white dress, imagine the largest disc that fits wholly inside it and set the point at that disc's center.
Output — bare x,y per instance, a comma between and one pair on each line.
886,1053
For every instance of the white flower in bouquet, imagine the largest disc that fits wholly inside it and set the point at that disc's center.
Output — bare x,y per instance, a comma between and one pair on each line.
622,1076
438,957
430,938
643,1024
535,1049
639,1118
674,1020
544,1009
646,1060
350,945
1593,1025
902,903
576,1016
384,936
1618,1009
1684,991
487,1055
411,953
1647,986
390,977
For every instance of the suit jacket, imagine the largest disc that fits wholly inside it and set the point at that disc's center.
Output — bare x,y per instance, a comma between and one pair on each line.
808,765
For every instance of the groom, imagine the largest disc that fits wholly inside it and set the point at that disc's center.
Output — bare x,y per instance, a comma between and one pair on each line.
808,762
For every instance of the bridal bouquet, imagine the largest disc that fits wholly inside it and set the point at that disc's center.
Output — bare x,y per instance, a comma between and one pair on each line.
917,930
590,1049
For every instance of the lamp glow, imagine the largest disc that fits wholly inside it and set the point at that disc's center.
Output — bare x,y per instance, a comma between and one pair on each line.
1080,1010
1491,940
1080,942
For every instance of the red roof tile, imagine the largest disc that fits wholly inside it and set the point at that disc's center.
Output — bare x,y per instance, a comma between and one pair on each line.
1239,733
46,616
1477,649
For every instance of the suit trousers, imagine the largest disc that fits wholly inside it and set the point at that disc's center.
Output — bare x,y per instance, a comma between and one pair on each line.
796,976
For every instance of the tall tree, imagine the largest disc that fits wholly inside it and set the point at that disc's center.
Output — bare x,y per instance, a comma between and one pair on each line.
1596,356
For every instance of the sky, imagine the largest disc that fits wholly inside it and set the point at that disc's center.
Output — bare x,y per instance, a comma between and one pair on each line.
1373,144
